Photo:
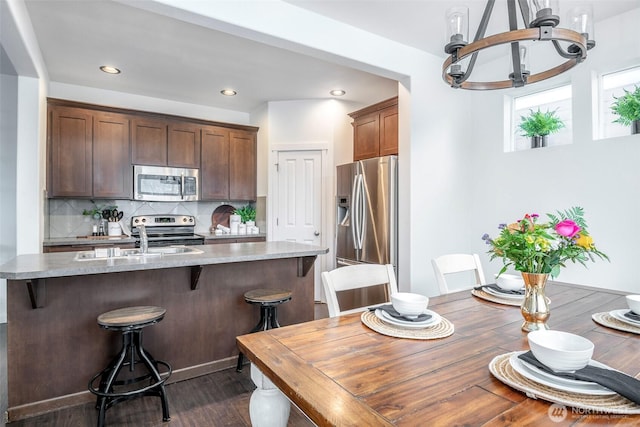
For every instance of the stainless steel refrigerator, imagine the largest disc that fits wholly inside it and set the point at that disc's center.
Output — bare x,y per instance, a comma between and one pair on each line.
367,212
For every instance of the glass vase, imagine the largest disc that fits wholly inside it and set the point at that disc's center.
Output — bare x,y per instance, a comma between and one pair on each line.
535,307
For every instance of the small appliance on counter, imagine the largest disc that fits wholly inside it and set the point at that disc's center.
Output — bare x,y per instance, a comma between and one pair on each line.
166,230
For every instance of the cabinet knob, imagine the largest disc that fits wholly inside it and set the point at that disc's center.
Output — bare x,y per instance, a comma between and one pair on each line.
316,233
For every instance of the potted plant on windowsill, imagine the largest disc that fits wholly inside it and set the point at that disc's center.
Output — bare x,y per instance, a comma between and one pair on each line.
627,107
538,125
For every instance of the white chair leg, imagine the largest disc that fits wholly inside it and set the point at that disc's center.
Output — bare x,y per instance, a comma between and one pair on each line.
268,406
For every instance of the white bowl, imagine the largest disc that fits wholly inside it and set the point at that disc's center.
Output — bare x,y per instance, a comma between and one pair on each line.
633,301
560,351
409,304
510,282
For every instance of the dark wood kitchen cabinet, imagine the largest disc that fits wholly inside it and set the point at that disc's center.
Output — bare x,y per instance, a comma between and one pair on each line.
214,168
242,165
375,130
160,142
91,150
228,164
148,141
111,159
88,153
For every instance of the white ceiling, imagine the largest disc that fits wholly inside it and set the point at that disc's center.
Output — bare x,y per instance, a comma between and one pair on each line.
167,58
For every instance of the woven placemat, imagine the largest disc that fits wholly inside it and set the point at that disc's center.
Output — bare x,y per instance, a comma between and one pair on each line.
501,368
605,319
441,330
487,296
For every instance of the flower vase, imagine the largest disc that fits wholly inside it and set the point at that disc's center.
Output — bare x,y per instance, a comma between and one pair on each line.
535,307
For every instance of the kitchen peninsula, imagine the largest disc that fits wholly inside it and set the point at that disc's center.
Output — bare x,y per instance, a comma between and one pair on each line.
54,344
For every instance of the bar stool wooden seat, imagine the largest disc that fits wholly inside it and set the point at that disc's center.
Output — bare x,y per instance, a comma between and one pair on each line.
144,380
268,300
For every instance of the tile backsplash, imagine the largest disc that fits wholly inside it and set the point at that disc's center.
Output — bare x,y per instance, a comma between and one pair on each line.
65,217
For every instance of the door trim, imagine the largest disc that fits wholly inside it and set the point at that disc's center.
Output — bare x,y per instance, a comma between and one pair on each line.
323,262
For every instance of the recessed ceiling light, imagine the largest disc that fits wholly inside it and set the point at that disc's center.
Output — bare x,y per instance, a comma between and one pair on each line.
337,92
228,92
110,70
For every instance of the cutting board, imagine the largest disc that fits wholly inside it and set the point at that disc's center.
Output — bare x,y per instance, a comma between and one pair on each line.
221,215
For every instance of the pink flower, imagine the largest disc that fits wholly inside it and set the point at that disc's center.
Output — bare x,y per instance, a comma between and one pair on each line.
567,228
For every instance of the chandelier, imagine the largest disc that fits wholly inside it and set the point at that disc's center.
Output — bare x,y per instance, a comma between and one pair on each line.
540,25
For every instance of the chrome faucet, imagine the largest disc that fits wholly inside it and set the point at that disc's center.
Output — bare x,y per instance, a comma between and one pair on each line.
144,239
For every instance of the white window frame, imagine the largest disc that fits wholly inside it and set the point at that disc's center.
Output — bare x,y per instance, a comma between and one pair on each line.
543,99
610,84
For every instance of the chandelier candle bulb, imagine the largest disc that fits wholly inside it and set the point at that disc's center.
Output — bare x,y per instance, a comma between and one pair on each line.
457,28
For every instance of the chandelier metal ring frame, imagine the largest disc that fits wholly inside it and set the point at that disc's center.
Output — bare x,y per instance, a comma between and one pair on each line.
541,33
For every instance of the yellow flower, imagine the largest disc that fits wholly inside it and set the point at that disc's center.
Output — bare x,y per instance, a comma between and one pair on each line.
529,239
585,241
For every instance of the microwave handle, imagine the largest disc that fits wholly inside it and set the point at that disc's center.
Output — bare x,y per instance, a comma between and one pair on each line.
182,186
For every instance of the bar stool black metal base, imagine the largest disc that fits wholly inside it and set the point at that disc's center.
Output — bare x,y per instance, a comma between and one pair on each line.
112,390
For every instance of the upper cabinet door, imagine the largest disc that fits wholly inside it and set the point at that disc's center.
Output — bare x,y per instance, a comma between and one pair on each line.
242,165
214,169
183,145
389,131
148,142
70,152
112,169
366,137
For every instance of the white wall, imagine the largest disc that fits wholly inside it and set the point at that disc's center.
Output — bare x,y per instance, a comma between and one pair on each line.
602,176
8,154
27,143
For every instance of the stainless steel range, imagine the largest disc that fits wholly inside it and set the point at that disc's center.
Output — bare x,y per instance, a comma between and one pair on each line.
165,230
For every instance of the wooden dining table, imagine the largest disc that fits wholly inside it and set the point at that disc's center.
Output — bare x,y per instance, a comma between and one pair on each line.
339,372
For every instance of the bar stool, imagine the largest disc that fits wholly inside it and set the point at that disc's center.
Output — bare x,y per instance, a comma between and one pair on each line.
130,321
269,300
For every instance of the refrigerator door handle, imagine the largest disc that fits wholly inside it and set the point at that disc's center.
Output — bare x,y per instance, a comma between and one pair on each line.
354,211
361,203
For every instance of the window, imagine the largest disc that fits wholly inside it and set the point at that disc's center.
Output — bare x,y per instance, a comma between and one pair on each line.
613,85
558,100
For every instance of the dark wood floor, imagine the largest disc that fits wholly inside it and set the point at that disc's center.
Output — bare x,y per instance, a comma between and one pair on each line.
218,399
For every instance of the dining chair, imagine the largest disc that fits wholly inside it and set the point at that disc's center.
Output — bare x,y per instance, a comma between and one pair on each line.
358,276
454,264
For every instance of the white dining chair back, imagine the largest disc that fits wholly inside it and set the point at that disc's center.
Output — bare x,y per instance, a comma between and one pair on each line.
457,263
356,277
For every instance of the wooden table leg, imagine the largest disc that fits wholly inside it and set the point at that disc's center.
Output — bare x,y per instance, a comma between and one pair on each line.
268,406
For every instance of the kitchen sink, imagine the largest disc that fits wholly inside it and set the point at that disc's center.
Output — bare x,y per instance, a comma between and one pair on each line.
112,253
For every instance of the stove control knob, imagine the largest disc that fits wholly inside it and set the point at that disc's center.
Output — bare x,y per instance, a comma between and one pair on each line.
190,219
144,219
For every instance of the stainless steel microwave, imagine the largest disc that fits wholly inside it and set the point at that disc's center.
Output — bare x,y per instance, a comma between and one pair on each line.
165,184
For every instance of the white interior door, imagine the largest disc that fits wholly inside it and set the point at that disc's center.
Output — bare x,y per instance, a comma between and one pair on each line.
298,204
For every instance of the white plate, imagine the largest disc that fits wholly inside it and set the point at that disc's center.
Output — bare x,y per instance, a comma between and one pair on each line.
500,294
619,314
385,317
559,383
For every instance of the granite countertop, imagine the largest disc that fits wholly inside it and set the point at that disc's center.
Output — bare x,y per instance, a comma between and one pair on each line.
39,266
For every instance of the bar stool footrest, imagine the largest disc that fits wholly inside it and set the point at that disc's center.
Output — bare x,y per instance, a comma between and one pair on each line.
131,393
